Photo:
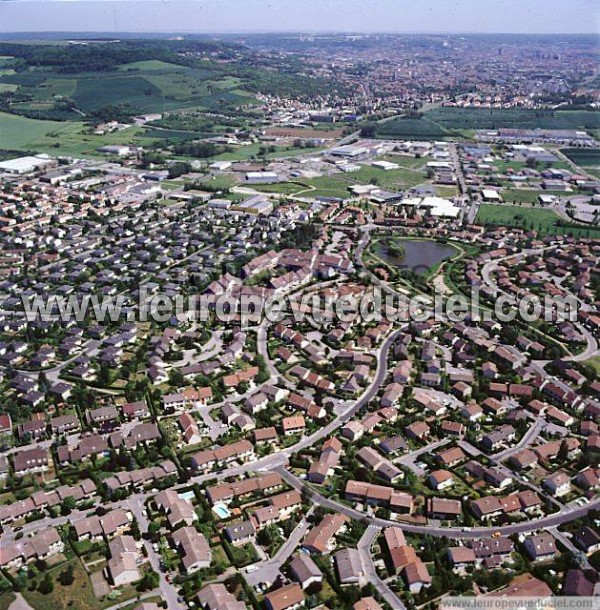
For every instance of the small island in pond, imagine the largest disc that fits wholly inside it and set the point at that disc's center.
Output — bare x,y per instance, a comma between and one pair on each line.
395,250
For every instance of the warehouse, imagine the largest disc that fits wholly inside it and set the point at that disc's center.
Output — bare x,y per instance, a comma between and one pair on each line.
26,165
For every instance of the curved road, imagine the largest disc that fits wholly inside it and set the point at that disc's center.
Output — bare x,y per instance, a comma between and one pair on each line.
457,533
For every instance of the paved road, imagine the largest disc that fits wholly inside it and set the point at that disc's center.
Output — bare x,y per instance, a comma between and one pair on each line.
409,460
527,439
168,591
268,571
364,551
581,556
592,347
457,533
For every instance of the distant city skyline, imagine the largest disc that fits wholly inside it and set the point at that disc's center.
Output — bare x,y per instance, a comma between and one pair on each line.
270,16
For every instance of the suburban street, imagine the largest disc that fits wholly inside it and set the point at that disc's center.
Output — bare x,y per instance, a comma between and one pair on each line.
364,549
566,514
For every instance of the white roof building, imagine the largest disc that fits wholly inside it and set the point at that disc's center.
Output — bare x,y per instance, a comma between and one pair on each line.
491,195
25,165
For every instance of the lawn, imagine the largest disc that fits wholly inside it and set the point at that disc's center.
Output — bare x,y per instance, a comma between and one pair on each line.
526,195
222,182
445,191
284,188
594,363
391,179
243,153
337,185
6,599
78,595
539,219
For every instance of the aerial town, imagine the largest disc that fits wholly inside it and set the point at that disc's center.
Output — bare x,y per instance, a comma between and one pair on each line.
154,456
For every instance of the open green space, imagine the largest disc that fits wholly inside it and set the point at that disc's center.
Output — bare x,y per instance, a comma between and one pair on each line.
22,133
61,137
587,158
337,185
405,128
78,595
518,118
146,86
528,195
6,599
594,363
151,65
538,219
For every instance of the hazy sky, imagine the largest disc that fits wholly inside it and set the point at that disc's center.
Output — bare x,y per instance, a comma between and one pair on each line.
511,16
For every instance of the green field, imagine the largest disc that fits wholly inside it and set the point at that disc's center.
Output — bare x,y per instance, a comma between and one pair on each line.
526,195
151,65
22,133
588,158
283,188
583,156
145,86
519,118
92,94
337,185
594,363
411,129
62,138
78,595
538,219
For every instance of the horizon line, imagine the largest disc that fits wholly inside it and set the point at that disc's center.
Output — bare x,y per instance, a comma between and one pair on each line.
116,34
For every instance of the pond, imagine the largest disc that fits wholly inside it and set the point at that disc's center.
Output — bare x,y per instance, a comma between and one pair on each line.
418,255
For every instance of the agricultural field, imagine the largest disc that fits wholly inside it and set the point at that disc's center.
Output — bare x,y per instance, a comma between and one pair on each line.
519,118
412,129
61,137
147,86
588,158
22,133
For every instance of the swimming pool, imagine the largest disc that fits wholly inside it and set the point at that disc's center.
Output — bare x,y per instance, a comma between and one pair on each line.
221,511
188,495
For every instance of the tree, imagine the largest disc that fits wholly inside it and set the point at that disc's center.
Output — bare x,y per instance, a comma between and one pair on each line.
368,130
531,162
67,577
67,506
153,530
47,585
563,452
150,581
